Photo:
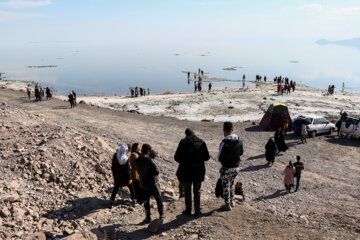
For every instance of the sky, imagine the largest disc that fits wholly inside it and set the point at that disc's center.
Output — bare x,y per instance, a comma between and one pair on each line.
167,23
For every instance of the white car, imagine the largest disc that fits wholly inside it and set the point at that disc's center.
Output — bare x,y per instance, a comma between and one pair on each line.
317,125
350,127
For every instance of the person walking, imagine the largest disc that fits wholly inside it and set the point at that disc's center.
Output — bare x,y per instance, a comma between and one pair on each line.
37,93
303,133
41,94
149,185
191,155
280,141
210,86
270,150
135,153
299,166
71,99
28,90
288,173
195,86
120,168
48,93
74,94
230,150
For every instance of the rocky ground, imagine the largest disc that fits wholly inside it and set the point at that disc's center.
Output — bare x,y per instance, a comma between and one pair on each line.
56,179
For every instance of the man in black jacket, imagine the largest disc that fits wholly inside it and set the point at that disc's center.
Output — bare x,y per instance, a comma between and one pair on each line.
231,148
191,155
149,185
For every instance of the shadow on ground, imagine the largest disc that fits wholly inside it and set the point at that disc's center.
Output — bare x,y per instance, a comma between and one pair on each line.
254,168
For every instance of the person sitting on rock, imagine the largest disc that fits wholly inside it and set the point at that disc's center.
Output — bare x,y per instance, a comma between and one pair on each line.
149,184
121,173
191,155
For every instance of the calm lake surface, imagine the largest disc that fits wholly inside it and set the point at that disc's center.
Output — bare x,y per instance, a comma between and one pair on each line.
112,69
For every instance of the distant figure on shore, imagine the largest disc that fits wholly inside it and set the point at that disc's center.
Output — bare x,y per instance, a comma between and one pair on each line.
188,73
136,91
343,87
210,86
28,90
42,94
74,94
199,86
195,86
191,155
194,76
244,77
293,86
37,93
71,99
299,166
265,79
280,141
202,73
48,93
288,89
132,92
199,71
288,173
149,184
148,91
270,150
230,150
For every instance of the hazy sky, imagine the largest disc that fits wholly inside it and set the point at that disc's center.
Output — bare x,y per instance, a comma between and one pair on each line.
170,22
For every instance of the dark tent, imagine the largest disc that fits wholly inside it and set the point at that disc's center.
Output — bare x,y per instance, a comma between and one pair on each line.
276,117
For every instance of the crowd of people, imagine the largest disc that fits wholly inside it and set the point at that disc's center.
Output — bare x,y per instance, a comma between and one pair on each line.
39,93
284,85
133,167
139,91
291,170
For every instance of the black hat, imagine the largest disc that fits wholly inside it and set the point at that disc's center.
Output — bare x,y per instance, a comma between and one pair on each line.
228,126
145,148
189,132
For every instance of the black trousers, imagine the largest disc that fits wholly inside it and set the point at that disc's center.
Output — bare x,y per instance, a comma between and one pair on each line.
116,190
153,192
188,198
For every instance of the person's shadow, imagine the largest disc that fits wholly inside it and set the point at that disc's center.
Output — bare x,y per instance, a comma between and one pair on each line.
276,194
256,157
254,168
78,208
180,220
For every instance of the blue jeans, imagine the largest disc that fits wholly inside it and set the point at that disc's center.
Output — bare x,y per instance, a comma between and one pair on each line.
298,177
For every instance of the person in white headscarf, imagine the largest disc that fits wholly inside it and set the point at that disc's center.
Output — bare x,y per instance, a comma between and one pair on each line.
121,173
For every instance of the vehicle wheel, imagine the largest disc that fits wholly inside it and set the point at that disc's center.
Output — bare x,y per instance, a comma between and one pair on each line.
312,134
331,131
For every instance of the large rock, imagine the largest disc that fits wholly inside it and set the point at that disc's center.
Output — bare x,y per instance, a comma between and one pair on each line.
36,236
103,144
100,169
14,197
156,225
82,236
14,185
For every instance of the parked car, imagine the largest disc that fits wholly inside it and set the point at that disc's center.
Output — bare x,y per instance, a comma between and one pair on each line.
350,127
316,125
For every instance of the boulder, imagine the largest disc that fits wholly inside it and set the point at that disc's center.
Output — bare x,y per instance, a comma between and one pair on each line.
100,169
36,236
82,236
103,144
14,197
156,225
14,185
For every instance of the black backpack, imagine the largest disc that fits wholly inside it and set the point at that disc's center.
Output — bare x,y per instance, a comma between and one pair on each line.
219,189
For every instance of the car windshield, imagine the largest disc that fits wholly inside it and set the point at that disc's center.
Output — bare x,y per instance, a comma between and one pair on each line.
324,121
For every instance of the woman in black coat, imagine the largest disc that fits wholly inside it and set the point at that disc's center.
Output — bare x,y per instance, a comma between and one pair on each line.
280,141
270,150
121,172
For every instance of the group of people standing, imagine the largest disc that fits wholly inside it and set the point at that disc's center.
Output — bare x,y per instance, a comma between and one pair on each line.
39,93
139,91
284,85
72,99
291,170
140,174
259,78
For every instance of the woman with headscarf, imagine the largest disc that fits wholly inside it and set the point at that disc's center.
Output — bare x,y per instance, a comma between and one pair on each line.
288,173
270,150
121,173
280,141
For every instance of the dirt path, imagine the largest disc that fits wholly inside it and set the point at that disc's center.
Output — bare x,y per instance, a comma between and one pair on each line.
327,206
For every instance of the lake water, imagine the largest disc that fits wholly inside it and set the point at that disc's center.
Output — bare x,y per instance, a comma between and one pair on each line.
112,69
